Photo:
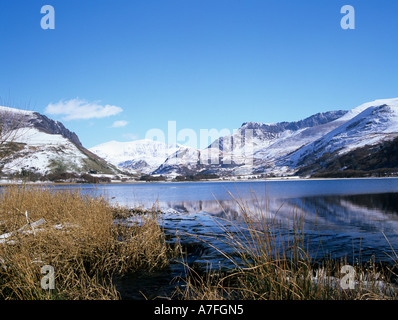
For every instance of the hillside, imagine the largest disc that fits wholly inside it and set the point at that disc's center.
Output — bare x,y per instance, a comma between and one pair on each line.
372,160
36,147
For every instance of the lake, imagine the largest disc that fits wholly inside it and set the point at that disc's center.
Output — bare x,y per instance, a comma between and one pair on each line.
357,218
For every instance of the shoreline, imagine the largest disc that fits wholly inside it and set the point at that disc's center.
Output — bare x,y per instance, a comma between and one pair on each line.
274,179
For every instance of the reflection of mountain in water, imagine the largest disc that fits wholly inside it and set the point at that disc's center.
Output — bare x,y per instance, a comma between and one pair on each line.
230,209
386,202
369,212
356,213
346,223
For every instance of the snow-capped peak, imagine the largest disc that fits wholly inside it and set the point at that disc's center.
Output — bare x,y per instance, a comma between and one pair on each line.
143,155
375,103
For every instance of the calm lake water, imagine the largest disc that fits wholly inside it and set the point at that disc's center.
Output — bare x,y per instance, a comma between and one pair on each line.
350,217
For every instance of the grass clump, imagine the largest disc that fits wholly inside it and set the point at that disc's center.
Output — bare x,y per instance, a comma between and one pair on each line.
77,236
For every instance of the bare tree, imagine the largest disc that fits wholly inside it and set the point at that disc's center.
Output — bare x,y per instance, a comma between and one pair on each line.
13,125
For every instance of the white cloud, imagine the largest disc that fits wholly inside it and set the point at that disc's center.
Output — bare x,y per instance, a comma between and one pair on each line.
119,124
81,109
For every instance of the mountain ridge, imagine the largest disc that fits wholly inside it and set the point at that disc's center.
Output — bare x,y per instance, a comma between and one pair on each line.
339,143
285,148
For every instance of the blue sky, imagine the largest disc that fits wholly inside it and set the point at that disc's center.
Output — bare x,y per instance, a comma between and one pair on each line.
112,70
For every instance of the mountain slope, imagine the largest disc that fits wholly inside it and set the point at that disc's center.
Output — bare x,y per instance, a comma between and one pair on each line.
369,124
371,160
35,144
190,161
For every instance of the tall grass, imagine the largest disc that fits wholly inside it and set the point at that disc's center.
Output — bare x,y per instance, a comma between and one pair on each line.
79,239
273,261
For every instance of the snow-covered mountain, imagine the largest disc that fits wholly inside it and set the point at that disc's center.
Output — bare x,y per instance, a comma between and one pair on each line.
189,161
144,156
256,147
364,138
369,125
252,144
279,149
253,148
31,143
